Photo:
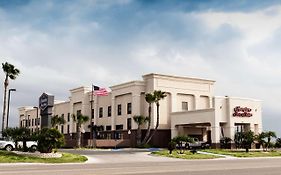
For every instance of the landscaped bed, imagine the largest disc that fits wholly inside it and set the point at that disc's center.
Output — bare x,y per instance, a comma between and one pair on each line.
186,155
243,153
10,157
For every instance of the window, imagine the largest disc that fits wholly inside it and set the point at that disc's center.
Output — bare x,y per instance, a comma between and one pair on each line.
38,121
62,129
108,127
68,131
62,116
119,110
119,127
109,111
78,112
129,123
100,112
28,120
184,106
93,113
32,124
129,108
68,117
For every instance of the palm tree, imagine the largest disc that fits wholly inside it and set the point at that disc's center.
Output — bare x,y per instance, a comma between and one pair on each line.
149,98
269,135
56,120
158,95
80,119
12,73
140,120
260,139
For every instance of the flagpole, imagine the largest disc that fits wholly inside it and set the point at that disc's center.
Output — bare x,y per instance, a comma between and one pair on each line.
91,133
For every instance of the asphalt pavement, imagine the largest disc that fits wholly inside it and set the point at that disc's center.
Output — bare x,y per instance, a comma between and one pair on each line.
121,162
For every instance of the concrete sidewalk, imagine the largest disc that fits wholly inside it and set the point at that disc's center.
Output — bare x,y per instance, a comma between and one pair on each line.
221,155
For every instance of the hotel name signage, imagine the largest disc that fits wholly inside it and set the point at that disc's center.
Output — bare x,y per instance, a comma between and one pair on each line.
242,112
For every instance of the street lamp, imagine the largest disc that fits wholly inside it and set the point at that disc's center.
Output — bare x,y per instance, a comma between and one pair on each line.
36,122
7,123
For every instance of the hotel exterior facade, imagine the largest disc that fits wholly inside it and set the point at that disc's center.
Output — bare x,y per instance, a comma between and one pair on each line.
190,108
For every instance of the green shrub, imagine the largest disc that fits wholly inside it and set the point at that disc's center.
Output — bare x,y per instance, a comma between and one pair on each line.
225,143
48,139
171,146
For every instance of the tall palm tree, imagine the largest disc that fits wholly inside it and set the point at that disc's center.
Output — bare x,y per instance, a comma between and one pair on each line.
140,120
12,73
150,99
56,120
158,95
80,119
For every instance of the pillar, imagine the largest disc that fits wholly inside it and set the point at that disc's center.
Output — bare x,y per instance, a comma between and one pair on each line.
113,113
215,134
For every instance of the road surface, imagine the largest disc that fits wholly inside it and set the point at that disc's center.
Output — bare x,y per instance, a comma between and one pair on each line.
139,163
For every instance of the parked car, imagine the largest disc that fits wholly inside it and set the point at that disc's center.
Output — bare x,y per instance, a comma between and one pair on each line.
197,144
10,145
7,145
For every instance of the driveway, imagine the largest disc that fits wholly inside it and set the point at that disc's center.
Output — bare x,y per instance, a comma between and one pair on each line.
121,156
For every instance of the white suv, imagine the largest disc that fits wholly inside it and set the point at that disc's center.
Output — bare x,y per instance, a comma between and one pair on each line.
7,145
10,145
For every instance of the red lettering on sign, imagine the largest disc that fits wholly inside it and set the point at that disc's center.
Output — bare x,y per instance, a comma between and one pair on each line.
242,112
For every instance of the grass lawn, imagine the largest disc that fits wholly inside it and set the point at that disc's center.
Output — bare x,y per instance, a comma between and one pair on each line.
242,153
10,157
186,155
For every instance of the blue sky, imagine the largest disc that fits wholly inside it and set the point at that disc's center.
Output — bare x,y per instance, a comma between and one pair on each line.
59,45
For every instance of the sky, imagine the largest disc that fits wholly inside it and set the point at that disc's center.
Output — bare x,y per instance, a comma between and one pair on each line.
60,45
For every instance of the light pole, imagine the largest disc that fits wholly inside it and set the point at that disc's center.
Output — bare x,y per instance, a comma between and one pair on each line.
36,122
8,110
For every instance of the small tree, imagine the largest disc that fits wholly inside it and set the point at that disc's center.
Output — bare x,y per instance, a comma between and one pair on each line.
268,136
171,146
225,142
140,120
247,140
181,142
260,138
48,139
80,119
56,120
238,139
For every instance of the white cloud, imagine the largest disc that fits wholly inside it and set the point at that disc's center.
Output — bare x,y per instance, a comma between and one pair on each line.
62,48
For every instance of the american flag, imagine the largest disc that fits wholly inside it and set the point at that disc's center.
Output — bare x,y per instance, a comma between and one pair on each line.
100,91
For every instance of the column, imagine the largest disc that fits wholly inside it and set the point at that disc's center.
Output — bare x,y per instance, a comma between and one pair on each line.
211,102
215,134
196,102
96,109
113,113
174,102
174,131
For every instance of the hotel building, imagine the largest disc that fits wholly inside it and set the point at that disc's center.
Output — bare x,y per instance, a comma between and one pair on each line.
190,108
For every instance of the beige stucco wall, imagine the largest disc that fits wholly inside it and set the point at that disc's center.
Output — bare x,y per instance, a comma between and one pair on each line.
199,93
220,116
